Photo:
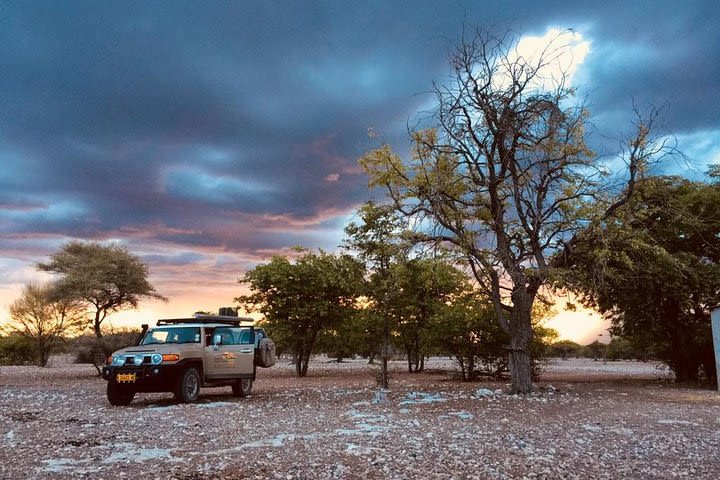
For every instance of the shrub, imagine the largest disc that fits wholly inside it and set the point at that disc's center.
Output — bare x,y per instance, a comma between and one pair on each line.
87,349
619,349
469,331
594,350
565,349
17,350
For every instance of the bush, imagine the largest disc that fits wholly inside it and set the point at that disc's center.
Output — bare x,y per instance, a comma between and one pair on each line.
594,350
87,349
469,331
565,349
17,350
619,349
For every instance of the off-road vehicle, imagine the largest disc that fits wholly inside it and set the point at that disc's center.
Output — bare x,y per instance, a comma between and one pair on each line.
183,354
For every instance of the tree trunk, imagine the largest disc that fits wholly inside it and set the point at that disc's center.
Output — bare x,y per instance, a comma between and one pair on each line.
44,357
684,361
520,374
707,360
521,333
384,381
306,361
462,368
297,359
97,323
470,368
683,352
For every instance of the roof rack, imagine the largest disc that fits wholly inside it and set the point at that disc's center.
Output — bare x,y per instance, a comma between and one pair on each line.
224,319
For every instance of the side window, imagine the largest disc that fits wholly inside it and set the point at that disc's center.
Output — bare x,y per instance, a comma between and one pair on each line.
209,336
227,336
246,336
259,335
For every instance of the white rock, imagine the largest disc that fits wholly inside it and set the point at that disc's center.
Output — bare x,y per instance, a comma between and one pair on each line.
483,392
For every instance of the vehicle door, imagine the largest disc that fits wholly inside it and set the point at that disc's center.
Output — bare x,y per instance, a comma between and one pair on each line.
230,354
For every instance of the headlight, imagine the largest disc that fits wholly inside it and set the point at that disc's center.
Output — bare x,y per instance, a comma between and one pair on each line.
137,360
118,360
156,358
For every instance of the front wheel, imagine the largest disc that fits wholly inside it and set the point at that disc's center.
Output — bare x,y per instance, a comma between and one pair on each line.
119,395
188,386
242,387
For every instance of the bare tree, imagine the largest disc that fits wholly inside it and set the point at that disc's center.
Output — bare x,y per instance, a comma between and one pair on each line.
46,322
505,176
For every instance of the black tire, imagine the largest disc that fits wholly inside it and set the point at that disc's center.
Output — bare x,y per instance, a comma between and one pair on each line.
119,395
242,387
187,389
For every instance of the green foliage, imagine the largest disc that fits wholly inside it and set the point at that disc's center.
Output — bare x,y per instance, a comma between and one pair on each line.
379,237
594,350
43,320
468,330
301,299
654,272
505,178
87,349
107,278
17,349
379,240
418,291
565,349
345,339
620,349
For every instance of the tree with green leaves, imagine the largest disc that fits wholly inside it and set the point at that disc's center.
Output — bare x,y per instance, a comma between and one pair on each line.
655,271
105,277
422,287
467,329
378,241
505,177
347,338
46,322
301,299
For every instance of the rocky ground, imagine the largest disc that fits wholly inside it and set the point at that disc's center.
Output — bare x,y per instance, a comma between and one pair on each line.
587,420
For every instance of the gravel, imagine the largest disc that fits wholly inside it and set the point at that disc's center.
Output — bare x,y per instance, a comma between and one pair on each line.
587,419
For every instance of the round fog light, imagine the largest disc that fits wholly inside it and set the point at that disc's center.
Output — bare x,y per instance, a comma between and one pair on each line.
156,371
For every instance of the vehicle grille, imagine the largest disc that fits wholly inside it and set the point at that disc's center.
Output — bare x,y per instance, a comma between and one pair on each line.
130,359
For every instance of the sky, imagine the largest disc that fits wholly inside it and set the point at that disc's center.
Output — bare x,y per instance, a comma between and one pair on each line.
208,136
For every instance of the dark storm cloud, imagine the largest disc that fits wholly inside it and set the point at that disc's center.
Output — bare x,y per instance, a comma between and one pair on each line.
236,126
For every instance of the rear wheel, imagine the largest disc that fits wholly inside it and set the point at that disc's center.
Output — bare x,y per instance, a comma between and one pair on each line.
119,395
242,387
187,389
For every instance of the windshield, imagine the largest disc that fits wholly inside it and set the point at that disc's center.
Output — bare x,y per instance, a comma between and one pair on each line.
172,335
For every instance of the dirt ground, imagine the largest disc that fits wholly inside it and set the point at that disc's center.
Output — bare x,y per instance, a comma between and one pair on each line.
587,420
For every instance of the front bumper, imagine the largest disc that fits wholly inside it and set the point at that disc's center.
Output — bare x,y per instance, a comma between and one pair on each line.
148,378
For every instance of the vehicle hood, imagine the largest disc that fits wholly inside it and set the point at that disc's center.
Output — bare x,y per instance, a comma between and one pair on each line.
158,348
